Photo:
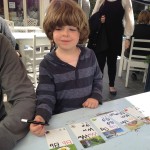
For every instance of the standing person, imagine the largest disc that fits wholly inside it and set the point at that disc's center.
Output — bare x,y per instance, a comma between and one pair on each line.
20,95
109,16
70,77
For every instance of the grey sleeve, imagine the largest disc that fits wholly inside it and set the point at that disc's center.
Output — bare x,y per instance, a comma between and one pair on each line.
8,34
20,93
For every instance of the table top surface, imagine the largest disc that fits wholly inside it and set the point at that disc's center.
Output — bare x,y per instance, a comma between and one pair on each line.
133,140
27,35
27,27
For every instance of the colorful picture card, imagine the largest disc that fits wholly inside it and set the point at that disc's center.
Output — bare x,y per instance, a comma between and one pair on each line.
86,134
126,119
107,126
59,139
138,113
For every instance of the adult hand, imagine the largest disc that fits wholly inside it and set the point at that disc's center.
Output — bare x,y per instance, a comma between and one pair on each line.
103,18
127,44
91,103
38,130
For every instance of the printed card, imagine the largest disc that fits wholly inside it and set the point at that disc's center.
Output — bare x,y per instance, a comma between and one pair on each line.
138,113
86,134
59,139
107,126
126,120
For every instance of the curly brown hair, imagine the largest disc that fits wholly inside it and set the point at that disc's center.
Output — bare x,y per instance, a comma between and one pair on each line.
66,12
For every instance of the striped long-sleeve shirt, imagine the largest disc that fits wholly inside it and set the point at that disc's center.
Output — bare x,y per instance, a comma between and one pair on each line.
63,87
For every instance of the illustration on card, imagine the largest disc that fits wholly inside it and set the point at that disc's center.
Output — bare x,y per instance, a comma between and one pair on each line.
86,134
59,139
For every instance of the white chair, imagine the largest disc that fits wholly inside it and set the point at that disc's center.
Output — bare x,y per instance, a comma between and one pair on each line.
34,55
137,62
122,62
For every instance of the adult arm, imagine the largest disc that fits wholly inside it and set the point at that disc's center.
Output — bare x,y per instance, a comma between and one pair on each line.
20,94
128,18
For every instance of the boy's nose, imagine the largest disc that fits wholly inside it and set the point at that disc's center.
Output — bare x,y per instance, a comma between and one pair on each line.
65,32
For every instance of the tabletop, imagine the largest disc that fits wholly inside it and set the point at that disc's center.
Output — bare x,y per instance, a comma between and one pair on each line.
27,35
133,140
26,29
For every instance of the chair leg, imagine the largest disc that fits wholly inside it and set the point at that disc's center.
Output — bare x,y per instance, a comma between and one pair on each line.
127,76
125,65
120,67
145,75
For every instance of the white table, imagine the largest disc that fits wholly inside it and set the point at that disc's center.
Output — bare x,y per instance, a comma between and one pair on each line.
26,29
26,38
135,140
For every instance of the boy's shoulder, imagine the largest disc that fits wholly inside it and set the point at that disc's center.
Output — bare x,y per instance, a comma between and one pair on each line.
86,50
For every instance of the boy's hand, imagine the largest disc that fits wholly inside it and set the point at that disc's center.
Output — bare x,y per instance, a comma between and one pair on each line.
38,130
91,103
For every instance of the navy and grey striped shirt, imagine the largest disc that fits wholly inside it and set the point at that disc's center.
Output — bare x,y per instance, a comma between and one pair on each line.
63,87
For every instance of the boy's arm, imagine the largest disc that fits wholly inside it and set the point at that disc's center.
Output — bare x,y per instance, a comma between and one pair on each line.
20,94
45,93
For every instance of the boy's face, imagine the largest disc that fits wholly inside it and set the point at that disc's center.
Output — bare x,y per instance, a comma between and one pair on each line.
66,37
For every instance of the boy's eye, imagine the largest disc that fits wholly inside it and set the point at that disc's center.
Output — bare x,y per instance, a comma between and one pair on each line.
73,29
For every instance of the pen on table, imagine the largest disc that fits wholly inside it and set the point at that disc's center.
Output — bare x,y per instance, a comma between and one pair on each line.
34,122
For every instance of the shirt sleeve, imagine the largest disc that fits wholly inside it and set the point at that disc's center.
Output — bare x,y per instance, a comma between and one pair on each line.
45,93
20,94
8,34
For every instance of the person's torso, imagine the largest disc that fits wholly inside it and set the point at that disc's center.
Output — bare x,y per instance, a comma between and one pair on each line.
73,85
114,13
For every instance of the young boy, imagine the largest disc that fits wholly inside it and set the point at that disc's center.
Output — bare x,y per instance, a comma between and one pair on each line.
70,77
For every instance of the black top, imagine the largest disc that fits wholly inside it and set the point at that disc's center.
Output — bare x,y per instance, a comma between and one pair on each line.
114,13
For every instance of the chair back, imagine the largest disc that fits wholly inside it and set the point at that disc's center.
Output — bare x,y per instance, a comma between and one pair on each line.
138,51
137,57
35,55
